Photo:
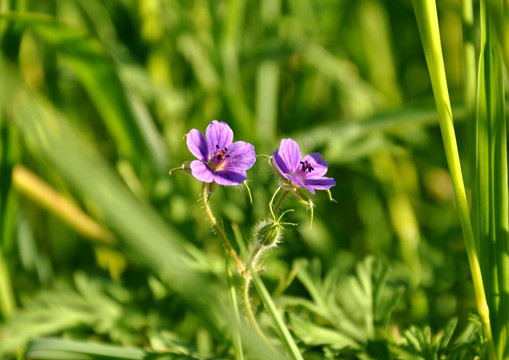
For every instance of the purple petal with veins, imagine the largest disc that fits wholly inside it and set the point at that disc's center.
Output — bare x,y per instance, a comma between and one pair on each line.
197,144
301,172
219,136
219,159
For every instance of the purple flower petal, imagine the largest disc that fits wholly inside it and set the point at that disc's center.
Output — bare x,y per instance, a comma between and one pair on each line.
297,181
307,172
201,171
228,177
219,159
288,156
241,156
319,165
219,136
197,144
323,183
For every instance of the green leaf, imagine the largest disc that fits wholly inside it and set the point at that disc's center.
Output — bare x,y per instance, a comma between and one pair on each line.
313,335
358,307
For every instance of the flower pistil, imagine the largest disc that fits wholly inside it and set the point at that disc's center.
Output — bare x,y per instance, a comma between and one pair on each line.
218,159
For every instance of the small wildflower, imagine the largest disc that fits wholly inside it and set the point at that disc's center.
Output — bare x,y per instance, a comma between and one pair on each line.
220,160
300,172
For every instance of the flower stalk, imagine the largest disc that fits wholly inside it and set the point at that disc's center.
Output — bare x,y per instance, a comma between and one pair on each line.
217,228
220,161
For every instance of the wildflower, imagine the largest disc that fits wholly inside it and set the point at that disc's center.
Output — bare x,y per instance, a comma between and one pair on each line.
219,159
300,172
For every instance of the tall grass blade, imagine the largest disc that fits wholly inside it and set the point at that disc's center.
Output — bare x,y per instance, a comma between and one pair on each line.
267,81
427,21
98,75
491,170
8,155
67,349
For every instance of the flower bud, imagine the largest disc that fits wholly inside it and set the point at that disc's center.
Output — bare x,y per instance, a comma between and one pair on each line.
275,168
268,233
186,167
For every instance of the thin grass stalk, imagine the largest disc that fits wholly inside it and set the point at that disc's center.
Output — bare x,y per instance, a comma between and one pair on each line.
499,26
7,302
267,80
427,21
469,54
9,154
279,323
491,168
470,88
232,294
499,13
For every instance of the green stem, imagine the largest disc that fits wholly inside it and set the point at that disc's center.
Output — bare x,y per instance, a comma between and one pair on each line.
219,231
287,338
274,210
247,282
255,254
248,308
427,20
7,301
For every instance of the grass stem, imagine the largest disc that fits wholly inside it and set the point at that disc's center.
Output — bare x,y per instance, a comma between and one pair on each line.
427,20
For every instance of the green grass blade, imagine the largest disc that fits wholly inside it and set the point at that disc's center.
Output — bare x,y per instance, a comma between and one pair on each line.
491,170
52,349
427,21
9,154
467,12
286,337
232,293
267,82
98,75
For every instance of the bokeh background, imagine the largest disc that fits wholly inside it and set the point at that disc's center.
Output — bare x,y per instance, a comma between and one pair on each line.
96,97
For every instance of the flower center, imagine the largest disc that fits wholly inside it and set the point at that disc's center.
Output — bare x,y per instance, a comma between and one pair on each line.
219,159
305,166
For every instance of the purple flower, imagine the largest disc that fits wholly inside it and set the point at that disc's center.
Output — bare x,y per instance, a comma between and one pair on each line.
219,160
301,172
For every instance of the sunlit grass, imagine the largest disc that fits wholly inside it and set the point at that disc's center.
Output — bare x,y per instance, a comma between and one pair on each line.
95,100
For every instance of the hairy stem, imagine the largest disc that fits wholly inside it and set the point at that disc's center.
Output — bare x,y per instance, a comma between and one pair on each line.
219,231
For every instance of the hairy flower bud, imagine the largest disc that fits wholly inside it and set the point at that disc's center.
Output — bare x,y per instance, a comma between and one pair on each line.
268,233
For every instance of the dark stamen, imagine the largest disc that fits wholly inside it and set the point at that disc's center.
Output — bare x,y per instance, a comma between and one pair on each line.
306,166
217,146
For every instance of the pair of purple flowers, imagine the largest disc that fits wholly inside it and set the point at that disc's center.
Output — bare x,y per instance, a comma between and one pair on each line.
225,162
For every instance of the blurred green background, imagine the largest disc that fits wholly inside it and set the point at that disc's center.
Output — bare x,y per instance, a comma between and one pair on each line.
96,97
